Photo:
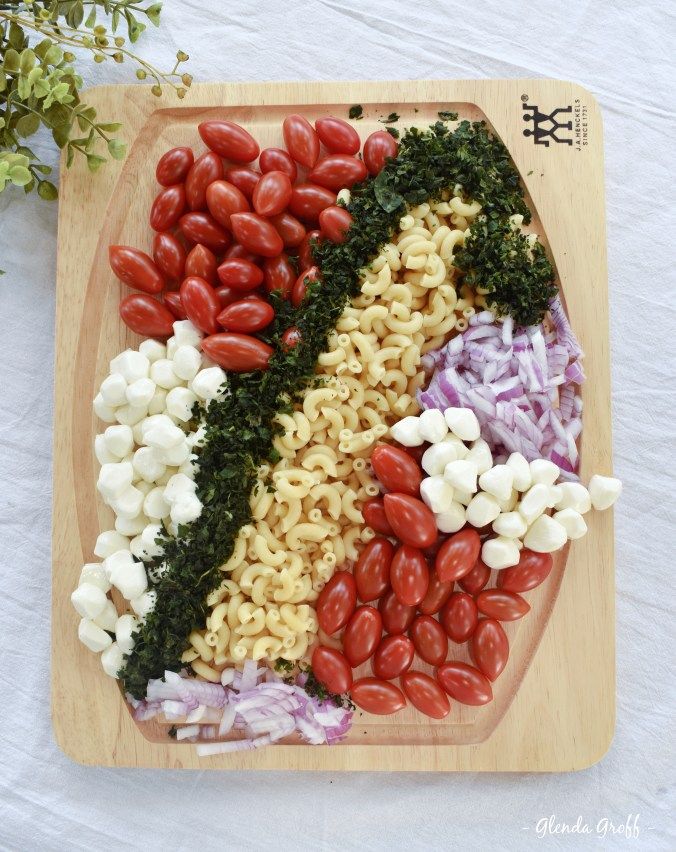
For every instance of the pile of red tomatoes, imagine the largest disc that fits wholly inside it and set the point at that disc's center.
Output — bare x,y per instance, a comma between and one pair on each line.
408,572
228,234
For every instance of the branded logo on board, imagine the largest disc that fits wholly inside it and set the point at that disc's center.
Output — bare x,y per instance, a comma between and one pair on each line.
547,126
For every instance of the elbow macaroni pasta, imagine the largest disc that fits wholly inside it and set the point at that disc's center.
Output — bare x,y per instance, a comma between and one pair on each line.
309,522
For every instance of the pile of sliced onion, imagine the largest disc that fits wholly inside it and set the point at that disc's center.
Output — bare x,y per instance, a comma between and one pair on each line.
254,702
521,384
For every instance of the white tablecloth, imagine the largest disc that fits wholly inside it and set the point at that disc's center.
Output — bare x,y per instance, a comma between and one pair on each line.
623,52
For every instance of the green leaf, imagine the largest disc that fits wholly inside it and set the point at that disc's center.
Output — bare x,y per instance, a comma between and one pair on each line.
23,87
94,162
27,60
111,127
75,15
17,36
117,149
47,190
115,21
43,169
28,124
61,134
30,186
70,154
54,55
12,60
3,81
386,197
19,175
91,18
153,13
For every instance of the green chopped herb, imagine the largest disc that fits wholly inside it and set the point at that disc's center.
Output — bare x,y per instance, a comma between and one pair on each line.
393,132
284,666
445,115
391,118
173,731
499,259
315,689
241,427
356,111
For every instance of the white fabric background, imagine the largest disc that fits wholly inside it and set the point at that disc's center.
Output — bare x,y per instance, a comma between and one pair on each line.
623,51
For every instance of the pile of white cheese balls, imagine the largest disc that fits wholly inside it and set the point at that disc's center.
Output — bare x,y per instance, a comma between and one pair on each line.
465,486
146,477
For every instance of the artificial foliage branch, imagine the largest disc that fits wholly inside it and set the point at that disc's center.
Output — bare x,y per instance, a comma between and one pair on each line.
40,83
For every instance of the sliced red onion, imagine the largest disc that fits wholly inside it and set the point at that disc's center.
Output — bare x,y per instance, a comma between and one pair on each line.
254,701
521,384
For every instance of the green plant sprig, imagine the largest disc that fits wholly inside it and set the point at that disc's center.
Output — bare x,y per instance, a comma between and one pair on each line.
39,83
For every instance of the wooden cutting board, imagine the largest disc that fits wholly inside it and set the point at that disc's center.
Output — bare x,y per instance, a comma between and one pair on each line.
555,704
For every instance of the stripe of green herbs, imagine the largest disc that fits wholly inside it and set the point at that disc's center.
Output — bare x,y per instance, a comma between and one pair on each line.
240,428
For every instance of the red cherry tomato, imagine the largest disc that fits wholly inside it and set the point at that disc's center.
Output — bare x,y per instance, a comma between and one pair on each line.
173,167
246,316
256,234
203,228
239,353
301,140
146,316
167,208
336,602
335,222
533,569
362,635
397,617
272,194
459,616
372,571
291,338
338,171
200,303
305,251
502,605
227,295
409,575
337,135
413,523
465,683
244,179
425,694
278,160
201,262
396,470
300,287
169,255
240,274
373,511
458,555
308,200
290,229
377,148
224,199
489,648
477,578
278,274
229,140
437,595
172,300
135,269
205,170
429,639
392,657
331,669
377,696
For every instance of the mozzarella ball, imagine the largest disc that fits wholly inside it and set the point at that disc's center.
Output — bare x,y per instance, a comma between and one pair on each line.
452,520
130,414
114,479
604,491
432,426
180,402
103,454
155,506
480,454
462,474
124,627
129,503
545,535
162,373
185,334
107,617
573,495
436,457
207,384
158,404
141,392
119,440
112,660
544,471
187,361
131,364
89,600
147,465
463,423
573,523
103,412
186,509
153,350
110,542
534,502
510,525
497,481
113,389
407,432
436,493
94,573
521,470
93,636
482,509
498,553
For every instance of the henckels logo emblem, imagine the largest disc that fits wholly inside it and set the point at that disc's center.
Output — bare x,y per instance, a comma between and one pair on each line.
547,126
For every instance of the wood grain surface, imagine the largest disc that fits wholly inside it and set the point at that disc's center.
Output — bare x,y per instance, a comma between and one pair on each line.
554,705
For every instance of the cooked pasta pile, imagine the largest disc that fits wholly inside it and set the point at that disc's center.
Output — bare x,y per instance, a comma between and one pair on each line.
306,509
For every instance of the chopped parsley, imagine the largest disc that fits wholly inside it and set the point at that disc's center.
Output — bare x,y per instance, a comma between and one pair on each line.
356,111
498,258
391,119
393,132
446,115
240,428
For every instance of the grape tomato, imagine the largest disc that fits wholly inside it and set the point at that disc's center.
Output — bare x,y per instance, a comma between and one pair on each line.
373,511
459,616
169,255
409,575
244,179
247,315
533,569
489,648
336,602
240,274
229,140
458,555
429,639
397,617
331,669
224,199
376,696
203,228
172,300
337,135
173,166
377,148
167,208
305,251
204,171
135,268
301,140
239,353
425,694
396,470
272,194
145,315
372,569
201,262
201,303
278,160
392,657
362,635
290,229
256,234
278,274
465,683
502,605
335,222
413,523
338,171
476,579
436,596
308,200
